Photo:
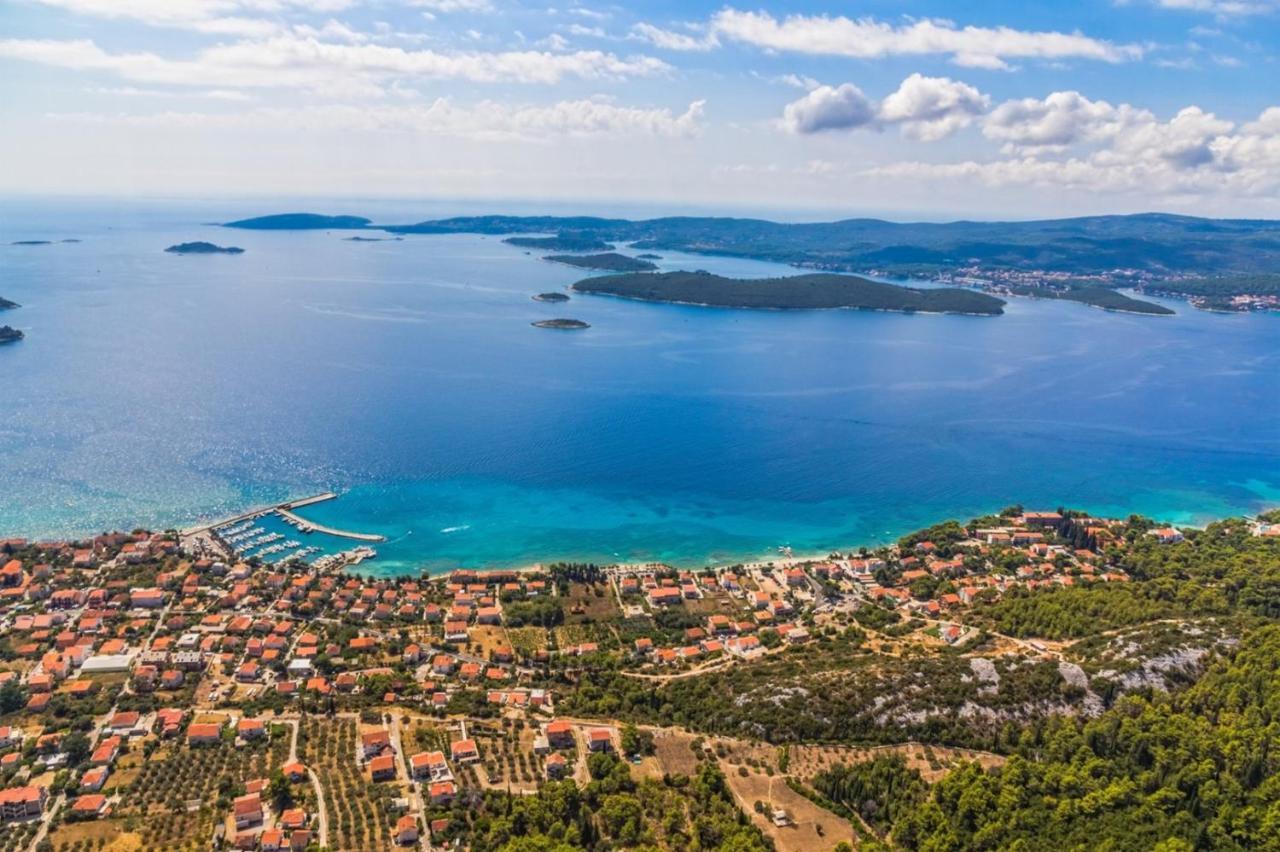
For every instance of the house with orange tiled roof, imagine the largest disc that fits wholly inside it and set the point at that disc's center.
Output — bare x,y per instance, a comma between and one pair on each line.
559,734
89,806
203,734
407,830
247,810
373,743
382,768
429,765
599,739
464,751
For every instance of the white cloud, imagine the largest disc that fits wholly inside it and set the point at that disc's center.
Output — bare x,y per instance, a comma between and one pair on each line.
671,40
1223,8
1069,141
925,108
930,108
593,14
1058,120
842,107
216,17
331,29
135,92
486,120
867,38
293,61
799,81
450,6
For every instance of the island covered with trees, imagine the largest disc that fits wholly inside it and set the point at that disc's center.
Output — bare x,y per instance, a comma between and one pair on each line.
300,222
561,242
609,261
9,334
5,304
203,248
814,291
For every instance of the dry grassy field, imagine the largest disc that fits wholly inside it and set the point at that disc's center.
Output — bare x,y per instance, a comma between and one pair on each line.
809,828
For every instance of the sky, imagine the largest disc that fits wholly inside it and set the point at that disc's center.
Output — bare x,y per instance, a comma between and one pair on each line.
893,108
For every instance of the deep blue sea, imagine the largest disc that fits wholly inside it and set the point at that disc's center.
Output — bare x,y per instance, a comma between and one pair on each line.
158,390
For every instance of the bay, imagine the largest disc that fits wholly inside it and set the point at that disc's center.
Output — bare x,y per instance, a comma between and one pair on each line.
158,390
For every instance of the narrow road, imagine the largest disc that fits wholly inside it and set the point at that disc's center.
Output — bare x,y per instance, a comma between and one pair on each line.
322,812
45,820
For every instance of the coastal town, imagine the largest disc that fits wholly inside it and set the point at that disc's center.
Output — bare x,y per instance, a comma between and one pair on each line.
158,692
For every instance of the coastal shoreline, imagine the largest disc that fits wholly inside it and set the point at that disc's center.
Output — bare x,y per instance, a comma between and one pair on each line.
536,565
371,566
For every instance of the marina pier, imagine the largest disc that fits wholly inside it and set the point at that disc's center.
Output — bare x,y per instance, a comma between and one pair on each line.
303,525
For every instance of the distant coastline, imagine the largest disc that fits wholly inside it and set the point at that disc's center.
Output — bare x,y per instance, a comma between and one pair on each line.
1219,264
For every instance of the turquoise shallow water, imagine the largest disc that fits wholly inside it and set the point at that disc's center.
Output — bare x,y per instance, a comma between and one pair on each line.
159,390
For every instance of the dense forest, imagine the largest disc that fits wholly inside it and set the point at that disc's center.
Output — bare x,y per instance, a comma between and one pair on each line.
1192,770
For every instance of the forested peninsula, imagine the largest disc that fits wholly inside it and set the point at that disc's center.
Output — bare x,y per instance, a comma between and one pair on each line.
1098,297
813,291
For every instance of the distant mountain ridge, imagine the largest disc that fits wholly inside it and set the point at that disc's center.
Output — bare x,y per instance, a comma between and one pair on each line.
1160,245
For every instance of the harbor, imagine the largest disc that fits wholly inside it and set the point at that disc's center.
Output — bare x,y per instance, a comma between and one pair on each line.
276,535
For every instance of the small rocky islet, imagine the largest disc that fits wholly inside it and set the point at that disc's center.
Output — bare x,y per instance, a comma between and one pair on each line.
564,324
200,247
551,297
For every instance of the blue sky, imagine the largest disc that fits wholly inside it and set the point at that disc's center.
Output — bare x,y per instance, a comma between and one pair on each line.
894,108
